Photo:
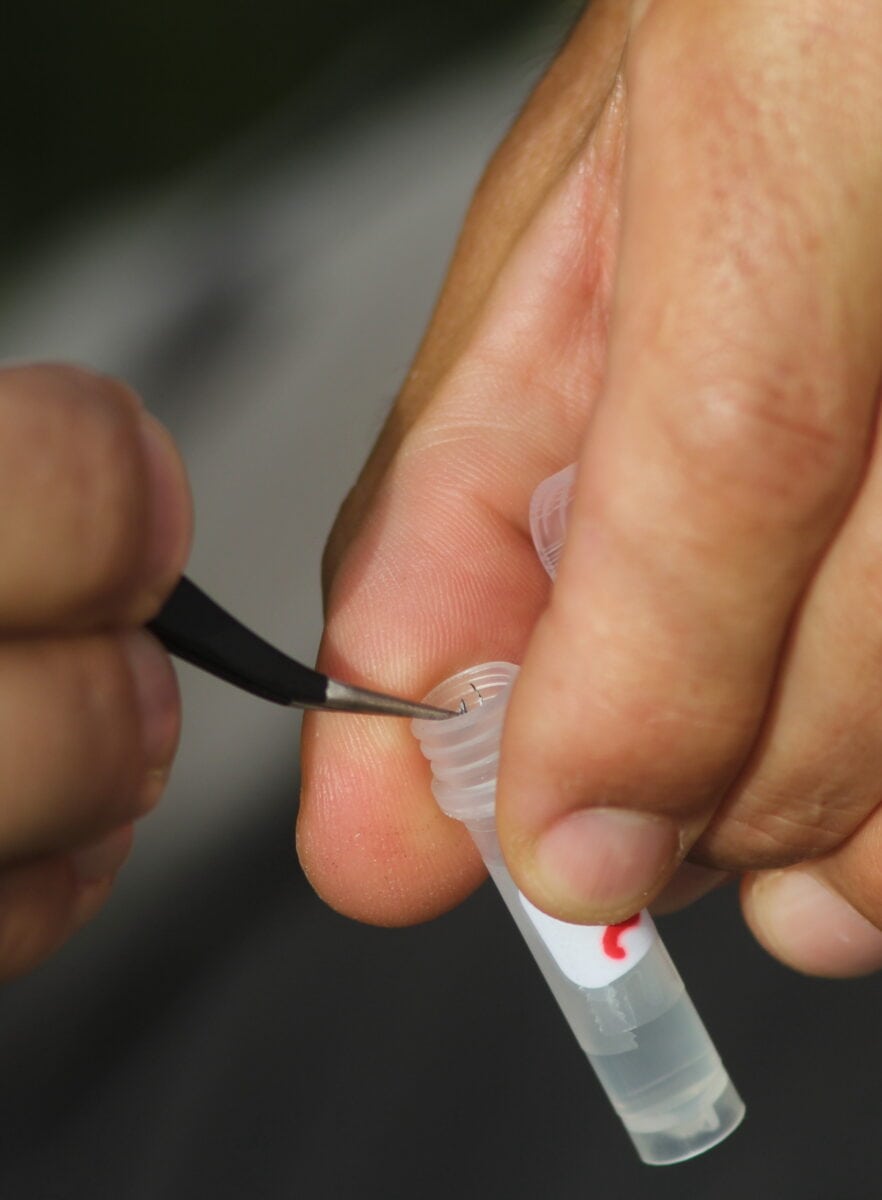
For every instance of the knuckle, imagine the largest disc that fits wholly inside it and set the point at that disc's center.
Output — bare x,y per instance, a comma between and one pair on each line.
678,40
765,842
772,416
777,826
763,443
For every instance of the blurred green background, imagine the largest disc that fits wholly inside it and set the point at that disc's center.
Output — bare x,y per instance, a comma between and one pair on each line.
101,97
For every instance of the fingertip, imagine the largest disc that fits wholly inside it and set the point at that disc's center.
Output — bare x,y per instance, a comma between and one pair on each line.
599,865
802,922
370,838
366,878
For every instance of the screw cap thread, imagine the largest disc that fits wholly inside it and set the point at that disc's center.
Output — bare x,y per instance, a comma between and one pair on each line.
464,750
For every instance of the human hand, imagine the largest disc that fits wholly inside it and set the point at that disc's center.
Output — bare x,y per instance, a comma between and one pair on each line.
94,531
671,272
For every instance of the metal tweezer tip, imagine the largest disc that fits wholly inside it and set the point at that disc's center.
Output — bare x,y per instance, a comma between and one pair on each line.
346,698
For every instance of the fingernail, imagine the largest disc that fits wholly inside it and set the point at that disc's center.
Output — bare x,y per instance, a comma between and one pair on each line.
170,506
102,859
812,927
156,689
597,862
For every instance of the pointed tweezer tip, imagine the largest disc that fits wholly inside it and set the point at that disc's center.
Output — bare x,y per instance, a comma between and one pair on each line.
343,697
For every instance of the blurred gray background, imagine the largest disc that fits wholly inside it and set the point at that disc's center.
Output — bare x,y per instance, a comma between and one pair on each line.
246,211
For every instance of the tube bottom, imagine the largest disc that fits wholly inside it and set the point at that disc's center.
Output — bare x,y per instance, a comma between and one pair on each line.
695,1127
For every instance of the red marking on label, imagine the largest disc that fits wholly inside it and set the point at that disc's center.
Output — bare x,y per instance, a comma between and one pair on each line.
612,933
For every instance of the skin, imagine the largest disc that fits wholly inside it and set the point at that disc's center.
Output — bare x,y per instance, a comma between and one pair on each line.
94,530
670,274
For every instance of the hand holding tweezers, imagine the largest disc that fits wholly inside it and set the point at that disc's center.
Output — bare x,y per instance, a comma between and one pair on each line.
196,629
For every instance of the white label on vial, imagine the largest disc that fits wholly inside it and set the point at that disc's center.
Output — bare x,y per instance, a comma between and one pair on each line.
593,955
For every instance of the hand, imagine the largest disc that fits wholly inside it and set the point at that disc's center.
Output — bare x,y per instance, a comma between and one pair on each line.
94,531
671,273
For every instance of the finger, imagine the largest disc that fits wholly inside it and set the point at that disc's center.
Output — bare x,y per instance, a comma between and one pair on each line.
823,918
442,573
94,508
727,444
549,514
99,861
524,171
88,726
41,905
688,884
814,775
563,109
809,926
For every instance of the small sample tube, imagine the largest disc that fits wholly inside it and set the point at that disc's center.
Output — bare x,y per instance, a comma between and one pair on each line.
549,509
619,991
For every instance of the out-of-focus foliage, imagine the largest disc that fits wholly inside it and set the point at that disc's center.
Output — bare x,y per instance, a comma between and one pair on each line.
99,96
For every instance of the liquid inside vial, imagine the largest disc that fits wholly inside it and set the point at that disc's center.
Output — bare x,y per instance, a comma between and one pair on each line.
616,985
641,1034
669,1069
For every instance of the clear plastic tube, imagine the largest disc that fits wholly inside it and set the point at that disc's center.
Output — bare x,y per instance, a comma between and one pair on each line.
619,991
549,509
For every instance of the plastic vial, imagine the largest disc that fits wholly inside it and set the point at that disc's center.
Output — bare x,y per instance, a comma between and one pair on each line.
619,991
549,510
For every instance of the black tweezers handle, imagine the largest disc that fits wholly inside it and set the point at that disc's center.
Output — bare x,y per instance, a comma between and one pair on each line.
193,627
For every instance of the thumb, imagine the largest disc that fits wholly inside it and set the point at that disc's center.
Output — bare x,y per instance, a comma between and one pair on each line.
727,443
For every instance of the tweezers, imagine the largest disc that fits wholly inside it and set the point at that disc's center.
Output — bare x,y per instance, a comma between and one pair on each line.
196,629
